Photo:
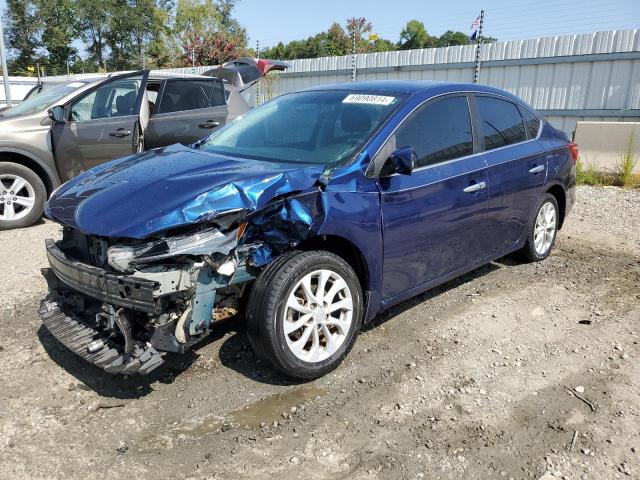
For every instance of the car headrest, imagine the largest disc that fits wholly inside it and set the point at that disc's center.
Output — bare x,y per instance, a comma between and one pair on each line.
355,119
125,103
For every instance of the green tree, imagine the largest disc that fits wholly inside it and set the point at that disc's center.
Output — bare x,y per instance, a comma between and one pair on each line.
118,36
60,27
382,45
337,41
194,18
148,24
450,38
206,32
414,35
94,23
22,35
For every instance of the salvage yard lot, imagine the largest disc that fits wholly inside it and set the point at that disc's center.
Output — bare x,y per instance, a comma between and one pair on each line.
470,380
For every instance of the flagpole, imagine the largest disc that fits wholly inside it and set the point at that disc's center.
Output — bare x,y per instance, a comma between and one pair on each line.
476,72
353,55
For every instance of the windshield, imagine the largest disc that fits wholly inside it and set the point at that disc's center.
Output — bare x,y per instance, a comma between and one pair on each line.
320,127
42,101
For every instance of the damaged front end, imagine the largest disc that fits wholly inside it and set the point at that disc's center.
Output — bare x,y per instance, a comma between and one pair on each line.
123,303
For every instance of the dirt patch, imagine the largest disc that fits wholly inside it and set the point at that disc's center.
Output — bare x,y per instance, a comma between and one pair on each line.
475,379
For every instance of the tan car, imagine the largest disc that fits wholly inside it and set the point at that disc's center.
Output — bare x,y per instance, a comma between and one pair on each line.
66,129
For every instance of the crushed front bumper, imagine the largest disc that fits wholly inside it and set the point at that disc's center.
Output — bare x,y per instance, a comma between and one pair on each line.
74,327
95,282
125,323
78,337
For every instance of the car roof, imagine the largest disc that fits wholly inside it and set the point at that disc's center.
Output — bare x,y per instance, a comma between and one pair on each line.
412,87
381,86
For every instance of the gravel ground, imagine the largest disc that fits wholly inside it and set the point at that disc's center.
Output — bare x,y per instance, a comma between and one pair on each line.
512,371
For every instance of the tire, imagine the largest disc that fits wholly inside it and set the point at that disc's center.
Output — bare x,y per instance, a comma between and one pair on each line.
30,196
536,252
268,313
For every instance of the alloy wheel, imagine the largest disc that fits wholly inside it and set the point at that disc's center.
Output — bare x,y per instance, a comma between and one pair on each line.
17,197
318,315
545,228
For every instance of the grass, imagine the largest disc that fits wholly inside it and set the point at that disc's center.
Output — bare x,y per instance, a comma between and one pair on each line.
588,173
626,163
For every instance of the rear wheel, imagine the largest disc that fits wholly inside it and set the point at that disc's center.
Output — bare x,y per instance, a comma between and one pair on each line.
22,196
542,235
304,313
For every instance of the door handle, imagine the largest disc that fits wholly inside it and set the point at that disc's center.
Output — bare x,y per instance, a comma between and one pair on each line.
537,169
475,187
209,124
121,132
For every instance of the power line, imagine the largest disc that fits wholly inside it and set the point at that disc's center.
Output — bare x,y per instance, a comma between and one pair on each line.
498,18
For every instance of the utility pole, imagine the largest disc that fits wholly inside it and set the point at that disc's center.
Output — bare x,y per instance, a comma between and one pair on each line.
5,73
353,55
257,83
476,73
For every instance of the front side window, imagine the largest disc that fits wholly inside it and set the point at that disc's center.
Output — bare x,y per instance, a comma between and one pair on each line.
501,122
113,99
321,127
438,132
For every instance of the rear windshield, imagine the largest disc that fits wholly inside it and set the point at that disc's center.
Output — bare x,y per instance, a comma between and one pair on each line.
317,127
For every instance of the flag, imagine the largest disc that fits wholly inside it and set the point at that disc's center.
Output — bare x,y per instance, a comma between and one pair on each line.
475,25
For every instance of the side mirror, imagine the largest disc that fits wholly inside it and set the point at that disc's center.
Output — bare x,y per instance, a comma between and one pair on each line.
56,114
402,161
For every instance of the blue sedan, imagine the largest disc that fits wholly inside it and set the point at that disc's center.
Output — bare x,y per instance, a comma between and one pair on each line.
304,218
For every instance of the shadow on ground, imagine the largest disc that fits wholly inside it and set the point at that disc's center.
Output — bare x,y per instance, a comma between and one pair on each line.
235,352
432,293
119,386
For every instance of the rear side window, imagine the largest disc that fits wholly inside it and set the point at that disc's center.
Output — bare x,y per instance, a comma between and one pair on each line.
218,95
531,122
438,132
179,96
501,122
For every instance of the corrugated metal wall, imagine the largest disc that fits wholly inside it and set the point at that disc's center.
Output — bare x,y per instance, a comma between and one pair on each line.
568,78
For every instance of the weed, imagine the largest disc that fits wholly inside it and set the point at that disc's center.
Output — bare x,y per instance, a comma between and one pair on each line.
626,163
587,174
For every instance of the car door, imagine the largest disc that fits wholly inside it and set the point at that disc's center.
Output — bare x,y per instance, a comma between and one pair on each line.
101,124
516,168
188,110
433,219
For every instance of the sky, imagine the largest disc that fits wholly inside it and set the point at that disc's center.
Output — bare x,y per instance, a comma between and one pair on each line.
270,21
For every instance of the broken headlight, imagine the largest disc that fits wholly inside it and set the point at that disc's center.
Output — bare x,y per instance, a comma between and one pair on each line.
203,242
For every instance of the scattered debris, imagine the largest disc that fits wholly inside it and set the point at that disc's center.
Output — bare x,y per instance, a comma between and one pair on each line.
573,440
580,397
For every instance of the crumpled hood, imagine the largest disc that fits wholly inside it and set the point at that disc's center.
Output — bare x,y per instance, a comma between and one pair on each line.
140,195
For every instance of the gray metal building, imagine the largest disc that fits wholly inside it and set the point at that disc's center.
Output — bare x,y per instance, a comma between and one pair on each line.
568,78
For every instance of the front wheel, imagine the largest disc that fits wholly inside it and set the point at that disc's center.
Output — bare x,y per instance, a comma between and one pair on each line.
304,313
22,196
542,235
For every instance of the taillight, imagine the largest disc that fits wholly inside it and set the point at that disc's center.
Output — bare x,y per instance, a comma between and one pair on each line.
573,148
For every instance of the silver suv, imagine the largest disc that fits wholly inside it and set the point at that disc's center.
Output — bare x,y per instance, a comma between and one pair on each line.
53,136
